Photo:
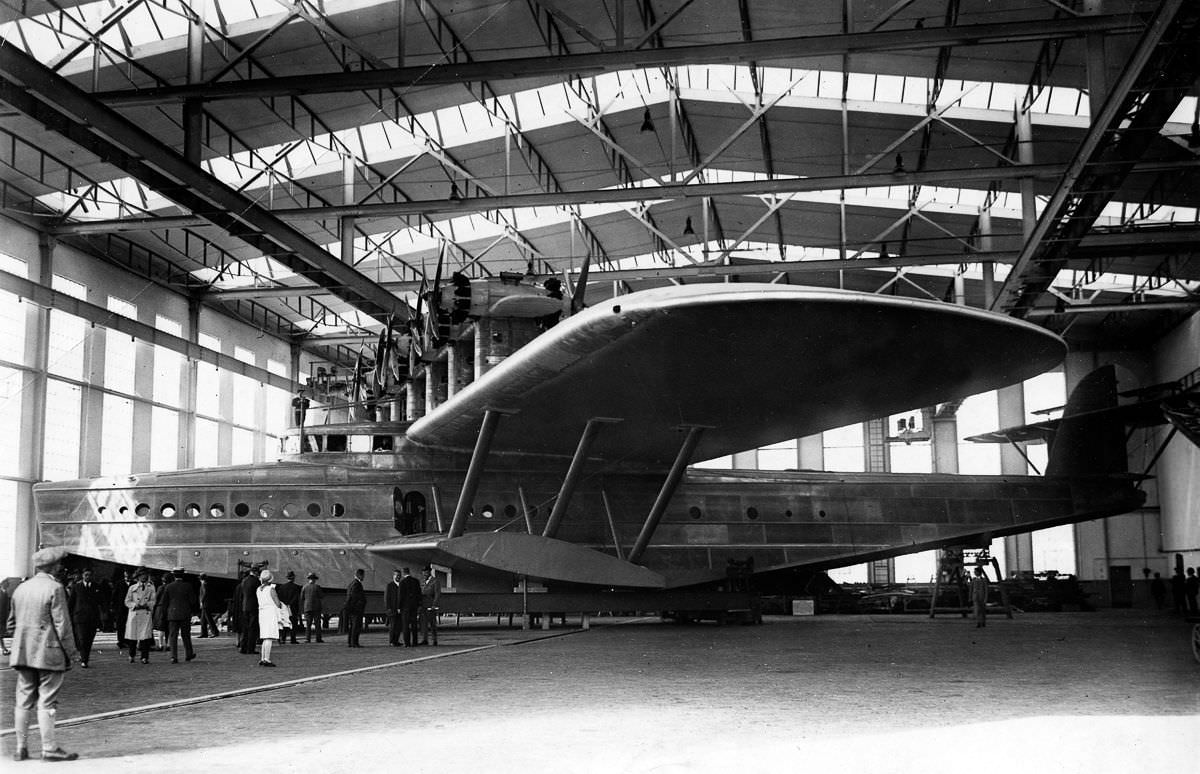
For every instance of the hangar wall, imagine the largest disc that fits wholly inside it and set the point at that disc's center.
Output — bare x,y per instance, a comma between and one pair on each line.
108,366
1177,355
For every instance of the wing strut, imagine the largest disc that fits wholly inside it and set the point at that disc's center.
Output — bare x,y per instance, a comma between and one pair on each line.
668,490
491,418
572,478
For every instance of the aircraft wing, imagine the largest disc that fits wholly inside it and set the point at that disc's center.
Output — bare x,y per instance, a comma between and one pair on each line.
1142,414
754,364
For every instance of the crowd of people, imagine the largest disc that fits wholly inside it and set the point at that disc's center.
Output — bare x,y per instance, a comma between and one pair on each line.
54,615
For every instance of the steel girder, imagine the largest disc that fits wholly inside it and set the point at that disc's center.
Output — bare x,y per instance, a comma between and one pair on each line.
38,92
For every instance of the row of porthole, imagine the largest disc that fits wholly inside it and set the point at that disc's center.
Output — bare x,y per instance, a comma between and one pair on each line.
241,510
751,513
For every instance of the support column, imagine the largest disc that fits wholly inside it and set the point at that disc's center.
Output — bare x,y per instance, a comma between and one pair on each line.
491,418
1025,156
668,490
988,267
572,478
193,109
945,444
187,416
878,460
346,223
1097,64
1010,402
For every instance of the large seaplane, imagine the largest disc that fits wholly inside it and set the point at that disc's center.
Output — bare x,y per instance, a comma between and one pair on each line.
560,453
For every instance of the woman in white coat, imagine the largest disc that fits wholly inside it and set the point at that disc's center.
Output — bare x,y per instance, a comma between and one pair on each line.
139,631
270,613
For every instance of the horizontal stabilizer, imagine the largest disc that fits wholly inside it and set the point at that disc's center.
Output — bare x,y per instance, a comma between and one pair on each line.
512,553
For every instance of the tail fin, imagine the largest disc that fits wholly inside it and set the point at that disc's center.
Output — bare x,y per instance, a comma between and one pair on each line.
1090,438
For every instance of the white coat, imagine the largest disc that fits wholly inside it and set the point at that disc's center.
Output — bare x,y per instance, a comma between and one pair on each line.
140,601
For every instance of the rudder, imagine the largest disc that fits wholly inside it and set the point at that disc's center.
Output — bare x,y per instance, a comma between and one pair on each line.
1090,438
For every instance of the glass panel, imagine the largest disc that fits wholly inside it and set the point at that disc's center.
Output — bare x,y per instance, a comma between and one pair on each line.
207,434
243,446
978,414
208,390
164,439
246,392
168,376
12,322
66,344
11,384
60,457
120,352
116,444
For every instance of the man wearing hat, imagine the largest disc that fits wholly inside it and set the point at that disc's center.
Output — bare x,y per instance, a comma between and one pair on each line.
42,651
289,595
310,602
247,592
208,609
180,602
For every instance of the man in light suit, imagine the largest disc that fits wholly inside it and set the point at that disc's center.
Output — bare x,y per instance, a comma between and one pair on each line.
42,651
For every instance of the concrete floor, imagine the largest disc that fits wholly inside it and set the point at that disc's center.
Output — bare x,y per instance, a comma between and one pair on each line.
1109,691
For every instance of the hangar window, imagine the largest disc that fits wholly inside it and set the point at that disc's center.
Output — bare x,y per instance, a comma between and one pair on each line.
241,510
314,510
751,512
142,510
266,510
167,511
192,510
339,510
216,510
290,510
694,512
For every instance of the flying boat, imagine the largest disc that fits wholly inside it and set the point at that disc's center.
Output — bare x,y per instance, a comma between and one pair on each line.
565,455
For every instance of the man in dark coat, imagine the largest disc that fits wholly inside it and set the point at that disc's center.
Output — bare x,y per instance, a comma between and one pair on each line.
85,615
289,596
247,593
119,613
209,606
356,604
310,600
179,600
410,606
391,605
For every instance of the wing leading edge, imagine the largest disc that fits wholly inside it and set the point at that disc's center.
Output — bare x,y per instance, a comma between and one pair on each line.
754,364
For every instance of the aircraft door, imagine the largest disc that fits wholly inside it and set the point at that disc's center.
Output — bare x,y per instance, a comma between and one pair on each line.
408,512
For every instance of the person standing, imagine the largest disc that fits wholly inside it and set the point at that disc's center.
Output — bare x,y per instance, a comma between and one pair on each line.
247,592
85,615
310,601
391,605
356,604
1191,587
271,614
289,595
207,601
159,614
120,613
139,601
5,607
1158,590
42,651
979,595
179,601
1179,591
410,606
431,593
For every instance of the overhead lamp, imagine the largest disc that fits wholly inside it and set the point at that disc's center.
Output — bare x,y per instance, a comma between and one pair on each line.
687,226
1193,139
647,122
899,168
883,252
454,194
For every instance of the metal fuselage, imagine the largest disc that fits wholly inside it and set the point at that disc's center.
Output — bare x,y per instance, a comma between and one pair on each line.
317,512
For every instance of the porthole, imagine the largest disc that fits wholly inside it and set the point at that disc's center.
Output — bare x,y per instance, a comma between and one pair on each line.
787,514
694,512
266,510
314,510
821,514
192,510
123,511
142,510
167,511
290,510
241,510
339,510
751,512
216,511
510,511
488,512
101,511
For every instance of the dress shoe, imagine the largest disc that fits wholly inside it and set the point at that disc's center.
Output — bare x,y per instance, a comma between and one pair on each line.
145,661
21,754
83,665
268,663
191,656
174,661
131,659
58,754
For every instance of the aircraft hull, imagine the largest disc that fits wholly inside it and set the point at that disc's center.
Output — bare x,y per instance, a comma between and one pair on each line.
319,512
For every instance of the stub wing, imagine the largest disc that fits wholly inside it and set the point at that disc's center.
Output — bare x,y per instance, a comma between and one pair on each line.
754,364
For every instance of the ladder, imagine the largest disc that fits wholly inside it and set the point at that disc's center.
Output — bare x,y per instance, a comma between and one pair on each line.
952,572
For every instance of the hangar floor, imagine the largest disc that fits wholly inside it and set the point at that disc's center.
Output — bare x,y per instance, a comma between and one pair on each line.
1074,692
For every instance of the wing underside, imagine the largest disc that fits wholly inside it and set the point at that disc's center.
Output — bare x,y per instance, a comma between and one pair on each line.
752,364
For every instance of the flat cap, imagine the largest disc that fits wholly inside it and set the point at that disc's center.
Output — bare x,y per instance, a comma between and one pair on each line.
49,556
313,576
291,574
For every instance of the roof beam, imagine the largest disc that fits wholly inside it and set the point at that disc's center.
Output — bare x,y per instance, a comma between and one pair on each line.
1000,33
46,97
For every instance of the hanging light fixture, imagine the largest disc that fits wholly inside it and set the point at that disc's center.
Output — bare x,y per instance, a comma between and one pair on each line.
687,227
647,122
